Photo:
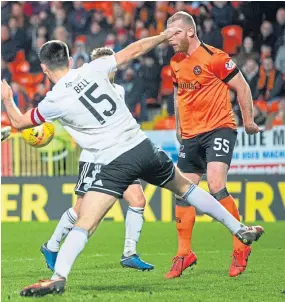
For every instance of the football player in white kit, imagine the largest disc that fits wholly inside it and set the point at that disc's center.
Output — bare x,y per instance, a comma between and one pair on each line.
87,175
90,109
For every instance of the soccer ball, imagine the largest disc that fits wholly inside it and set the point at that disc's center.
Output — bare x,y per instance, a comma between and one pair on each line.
39,136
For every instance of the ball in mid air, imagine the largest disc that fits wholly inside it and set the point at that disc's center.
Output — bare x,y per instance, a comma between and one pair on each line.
39,136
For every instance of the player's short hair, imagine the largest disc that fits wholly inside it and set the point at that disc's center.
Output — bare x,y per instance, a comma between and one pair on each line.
185,17
54,54
101,52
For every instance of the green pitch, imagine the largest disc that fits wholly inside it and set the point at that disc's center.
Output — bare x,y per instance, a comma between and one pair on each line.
98,276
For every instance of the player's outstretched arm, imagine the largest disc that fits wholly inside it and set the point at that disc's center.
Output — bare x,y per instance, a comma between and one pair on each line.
142,46
239,84
18,120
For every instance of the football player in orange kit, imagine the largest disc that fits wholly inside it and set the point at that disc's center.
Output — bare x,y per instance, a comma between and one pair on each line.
206,130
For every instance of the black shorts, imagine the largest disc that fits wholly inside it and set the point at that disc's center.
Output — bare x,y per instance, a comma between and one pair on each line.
87,171
145,161
196,152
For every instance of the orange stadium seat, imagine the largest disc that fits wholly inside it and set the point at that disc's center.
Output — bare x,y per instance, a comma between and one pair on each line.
166,86
167,123
232,35
274,107
262,105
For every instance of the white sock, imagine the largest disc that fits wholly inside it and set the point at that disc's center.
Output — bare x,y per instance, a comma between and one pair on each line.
207,204
134,222
71,248
63,227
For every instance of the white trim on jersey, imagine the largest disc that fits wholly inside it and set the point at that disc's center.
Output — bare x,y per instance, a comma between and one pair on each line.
36,117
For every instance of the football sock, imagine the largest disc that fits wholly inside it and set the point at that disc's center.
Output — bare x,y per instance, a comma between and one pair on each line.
185,220
228,202
63,227
134,222
71,248
207,204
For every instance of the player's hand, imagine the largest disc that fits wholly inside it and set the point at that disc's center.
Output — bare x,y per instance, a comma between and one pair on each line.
169,32
6,91
252,128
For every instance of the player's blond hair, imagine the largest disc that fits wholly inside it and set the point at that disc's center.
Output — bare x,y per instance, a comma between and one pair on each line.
101,52
185,17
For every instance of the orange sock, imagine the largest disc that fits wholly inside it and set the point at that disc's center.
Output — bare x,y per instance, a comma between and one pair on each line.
229,203
185,220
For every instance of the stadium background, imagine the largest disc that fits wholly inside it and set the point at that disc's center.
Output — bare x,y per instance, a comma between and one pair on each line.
37,184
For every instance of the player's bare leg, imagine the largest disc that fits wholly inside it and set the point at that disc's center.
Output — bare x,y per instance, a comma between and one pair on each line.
217,178
91,214
133,226
207,204
185,220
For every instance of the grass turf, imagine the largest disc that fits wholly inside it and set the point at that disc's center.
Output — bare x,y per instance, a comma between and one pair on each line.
98,276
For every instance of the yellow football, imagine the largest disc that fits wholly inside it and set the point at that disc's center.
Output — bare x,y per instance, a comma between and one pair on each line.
39,136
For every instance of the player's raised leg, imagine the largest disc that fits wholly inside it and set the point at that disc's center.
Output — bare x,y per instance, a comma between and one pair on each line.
134,222
207,204
91,214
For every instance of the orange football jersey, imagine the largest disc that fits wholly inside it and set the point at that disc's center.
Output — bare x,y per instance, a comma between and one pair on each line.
203,95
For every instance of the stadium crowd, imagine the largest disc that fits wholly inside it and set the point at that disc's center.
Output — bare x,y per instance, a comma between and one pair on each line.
252,32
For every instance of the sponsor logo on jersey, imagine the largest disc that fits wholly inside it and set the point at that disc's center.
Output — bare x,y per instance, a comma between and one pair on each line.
190,86
230,65
197,70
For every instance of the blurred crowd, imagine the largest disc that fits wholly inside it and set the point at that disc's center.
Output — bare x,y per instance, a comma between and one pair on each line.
252,32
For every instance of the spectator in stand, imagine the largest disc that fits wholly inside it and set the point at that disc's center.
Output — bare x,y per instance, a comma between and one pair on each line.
246,52
20,97
103,22
270,82
158,25
122,41
17,12
60,33
59,19
78,19
5,72
5,11
33,55
132,88
266,36
80,52
79,61
280,57
265,52
211,34
39,95
96,37
250,72
163,54
110,40
17,34
279,25
222,12
8,46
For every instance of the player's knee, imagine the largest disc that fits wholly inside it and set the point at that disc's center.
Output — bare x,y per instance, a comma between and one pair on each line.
138,201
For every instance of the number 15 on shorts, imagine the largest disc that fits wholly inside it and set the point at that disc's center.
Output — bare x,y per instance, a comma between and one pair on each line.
221,144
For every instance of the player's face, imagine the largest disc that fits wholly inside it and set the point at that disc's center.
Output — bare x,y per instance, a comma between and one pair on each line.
180,41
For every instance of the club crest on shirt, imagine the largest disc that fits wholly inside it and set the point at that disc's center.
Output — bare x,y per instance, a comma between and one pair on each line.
230,65
197,70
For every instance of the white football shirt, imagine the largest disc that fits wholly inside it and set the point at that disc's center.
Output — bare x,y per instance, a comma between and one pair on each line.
92,111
